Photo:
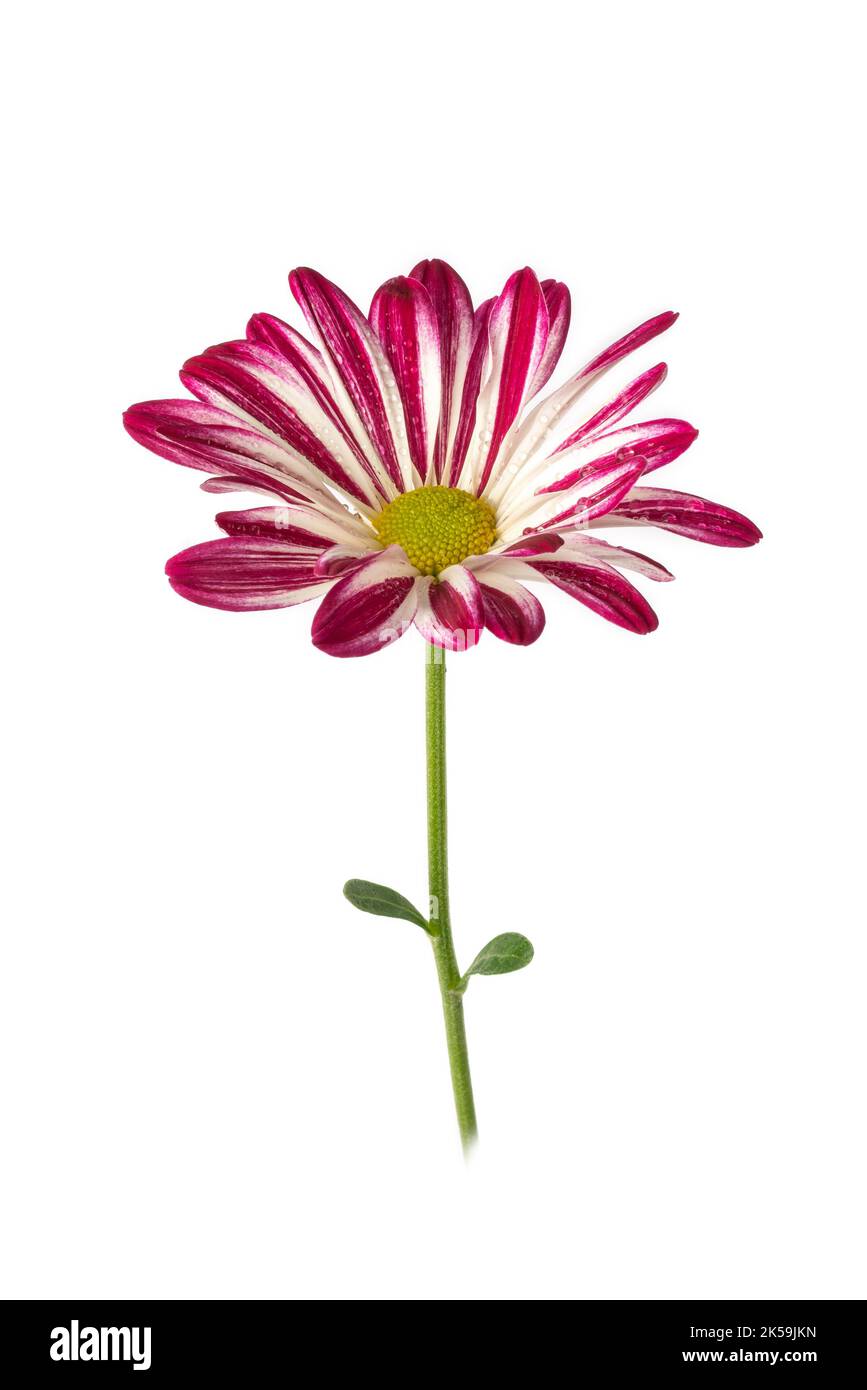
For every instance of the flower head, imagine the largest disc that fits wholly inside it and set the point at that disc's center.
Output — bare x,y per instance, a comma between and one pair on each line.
416,477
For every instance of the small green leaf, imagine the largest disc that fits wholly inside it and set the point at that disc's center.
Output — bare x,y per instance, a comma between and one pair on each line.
505,953
382,902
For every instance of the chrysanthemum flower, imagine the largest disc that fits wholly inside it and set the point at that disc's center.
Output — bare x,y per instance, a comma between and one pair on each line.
418,479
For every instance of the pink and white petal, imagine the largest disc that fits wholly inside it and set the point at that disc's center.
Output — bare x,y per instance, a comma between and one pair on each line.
559,302
338,560
600,588
587,445
453,307
214,441
630,342
362,379
403,318
179,430
517,335
259,384
270,522
685,515
619,406
588,549
296,525
229,484
595,496
652,442
455,467
292,521
596,491
537,435
450,610
369,608
308,364
536,543
303,356
218,382
245,574
512,613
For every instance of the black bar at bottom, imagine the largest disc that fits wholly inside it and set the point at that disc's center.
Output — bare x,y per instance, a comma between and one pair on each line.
239,1341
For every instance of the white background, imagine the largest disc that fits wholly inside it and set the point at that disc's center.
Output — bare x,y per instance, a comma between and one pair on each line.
219,1080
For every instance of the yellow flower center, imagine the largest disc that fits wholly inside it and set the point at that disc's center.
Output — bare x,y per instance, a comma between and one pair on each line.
437,526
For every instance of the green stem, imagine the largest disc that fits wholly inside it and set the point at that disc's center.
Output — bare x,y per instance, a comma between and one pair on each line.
438,876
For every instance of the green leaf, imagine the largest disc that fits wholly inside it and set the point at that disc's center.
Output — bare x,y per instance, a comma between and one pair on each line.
505,953
382,901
